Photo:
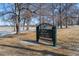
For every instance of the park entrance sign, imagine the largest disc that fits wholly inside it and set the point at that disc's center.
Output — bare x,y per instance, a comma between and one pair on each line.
46,30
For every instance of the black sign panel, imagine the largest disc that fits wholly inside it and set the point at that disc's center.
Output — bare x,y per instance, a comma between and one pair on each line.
46,30
45,33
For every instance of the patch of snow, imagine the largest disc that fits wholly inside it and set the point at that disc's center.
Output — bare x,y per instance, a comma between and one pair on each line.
27,43
3,33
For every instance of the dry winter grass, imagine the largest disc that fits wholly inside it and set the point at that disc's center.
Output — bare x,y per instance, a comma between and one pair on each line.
67,44
69,38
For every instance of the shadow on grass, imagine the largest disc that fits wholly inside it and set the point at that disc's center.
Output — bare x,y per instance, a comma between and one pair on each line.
32,41
44,52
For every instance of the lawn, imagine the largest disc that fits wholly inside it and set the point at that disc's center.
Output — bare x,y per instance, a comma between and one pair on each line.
67,44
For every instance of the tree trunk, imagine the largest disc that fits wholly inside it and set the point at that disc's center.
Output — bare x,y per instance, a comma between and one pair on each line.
66,23
27,26
60,21
17,10
17,28
61,25
14,27
24,24
17,24
78,21
66,18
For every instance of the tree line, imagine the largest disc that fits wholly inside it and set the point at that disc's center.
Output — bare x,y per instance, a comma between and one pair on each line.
58,14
